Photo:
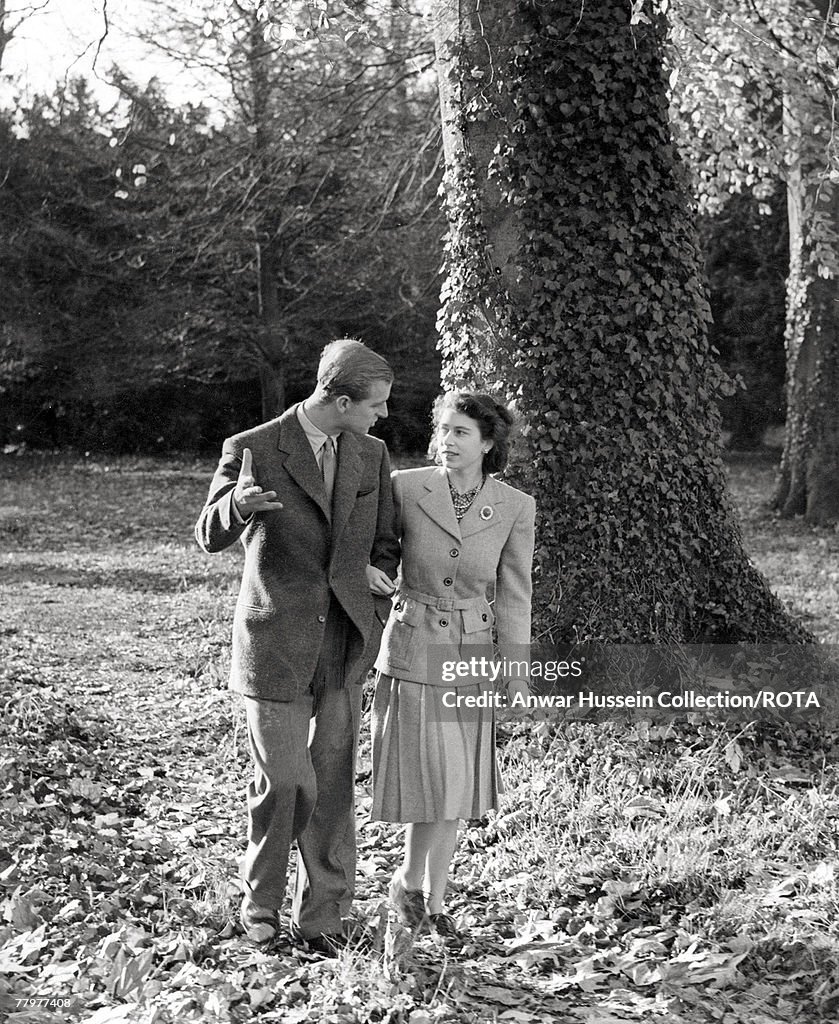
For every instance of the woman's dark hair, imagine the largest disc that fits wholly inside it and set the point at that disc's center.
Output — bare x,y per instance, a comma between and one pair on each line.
494,419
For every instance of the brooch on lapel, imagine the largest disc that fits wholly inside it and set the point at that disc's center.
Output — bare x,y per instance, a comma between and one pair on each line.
486,513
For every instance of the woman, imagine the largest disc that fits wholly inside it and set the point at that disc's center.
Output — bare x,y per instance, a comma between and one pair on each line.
463,534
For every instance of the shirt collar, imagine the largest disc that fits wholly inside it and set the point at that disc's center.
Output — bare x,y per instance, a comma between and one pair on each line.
315,435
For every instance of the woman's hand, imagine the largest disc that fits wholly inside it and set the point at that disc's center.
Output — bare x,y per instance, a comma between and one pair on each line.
380,583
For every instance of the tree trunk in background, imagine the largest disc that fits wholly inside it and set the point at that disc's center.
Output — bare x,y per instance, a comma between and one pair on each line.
574,285
808,484
484,233
273,339
4,36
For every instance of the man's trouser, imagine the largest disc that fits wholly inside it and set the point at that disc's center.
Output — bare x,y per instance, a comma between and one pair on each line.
304,789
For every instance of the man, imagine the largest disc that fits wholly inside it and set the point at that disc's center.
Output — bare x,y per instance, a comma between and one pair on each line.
309,496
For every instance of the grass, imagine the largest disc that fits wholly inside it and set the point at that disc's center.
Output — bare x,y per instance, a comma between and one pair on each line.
800,561
679,873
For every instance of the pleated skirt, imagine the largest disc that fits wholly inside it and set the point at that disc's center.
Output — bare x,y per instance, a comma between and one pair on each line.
431,763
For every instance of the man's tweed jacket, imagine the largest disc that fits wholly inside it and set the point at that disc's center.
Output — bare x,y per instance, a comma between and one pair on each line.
294,556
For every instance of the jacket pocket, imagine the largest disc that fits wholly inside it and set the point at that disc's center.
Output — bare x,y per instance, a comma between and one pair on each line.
402,632
367,485
476,620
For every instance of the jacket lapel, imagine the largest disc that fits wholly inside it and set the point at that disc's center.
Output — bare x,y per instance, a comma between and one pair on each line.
300,460
486,510
437,504
347,479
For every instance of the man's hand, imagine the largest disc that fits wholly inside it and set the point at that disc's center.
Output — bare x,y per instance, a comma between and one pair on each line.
379,581
248,496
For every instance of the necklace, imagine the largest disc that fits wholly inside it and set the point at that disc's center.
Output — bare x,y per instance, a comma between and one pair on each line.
462,502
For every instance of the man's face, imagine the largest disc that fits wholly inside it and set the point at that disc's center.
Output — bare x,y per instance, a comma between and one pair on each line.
359,417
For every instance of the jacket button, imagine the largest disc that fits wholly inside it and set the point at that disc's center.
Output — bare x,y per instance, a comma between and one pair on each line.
484,616
321,618
398,606
454,552
444,622
447,582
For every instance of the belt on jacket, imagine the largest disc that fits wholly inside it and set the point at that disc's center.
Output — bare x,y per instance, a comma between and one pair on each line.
444,604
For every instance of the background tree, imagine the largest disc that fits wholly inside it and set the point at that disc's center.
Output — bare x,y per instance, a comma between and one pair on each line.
164,352
12,16
757,85
747,261
809,478
328,158
573,270
91,350
64,312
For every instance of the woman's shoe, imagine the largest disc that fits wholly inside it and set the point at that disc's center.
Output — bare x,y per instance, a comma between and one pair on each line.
444,926
409,904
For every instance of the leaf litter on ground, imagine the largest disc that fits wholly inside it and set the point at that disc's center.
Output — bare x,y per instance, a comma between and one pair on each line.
677,874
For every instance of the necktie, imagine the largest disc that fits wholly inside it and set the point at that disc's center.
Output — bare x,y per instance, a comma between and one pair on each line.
327,468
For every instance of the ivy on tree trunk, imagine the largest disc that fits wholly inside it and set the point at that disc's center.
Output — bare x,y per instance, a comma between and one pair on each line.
574,284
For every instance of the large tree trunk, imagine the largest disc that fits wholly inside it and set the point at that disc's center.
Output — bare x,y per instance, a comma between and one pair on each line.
809,479
574,283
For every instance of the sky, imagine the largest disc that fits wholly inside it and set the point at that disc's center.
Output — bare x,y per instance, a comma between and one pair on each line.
60,40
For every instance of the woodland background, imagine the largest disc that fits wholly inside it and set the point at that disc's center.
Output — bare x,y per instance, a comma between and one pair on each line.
150,251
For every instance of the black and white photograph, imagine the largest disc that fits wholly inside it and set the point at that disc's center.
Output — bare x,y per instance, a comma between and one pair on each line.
419,511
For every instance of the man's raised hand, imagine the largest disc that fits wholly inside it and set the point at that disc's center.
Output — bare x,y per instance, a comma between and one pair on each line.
248,496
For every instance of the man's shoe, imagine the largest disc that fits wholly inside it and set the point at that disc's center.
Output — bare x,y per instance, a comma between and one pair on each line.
409,904
444,926
325,945
260,924
352,936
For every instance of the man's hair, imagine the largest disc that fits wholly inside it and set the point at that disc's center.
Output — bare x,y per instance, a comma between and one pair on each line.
348,367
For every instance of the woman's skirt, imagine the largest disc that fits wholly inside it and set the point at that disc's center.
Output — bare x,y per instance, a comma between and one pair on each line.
431,762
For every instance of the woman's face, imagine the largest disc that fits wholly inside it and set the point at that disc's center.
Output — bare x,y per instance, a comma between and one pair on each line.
459,442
